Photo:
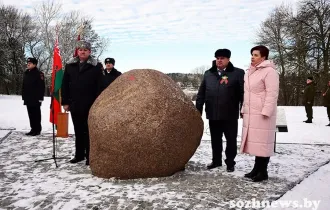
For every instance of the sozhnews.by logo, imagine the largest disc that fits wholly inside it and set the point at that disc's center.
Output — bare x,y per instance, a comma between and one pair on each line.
253,203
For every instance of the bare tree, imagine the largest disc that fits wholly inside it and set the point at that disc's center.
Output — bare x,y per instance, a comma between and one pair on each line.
101,45
299,59
49,18
41,43
300,46
68,32
274,34
198,74
14,29
22,36
200,70
315,16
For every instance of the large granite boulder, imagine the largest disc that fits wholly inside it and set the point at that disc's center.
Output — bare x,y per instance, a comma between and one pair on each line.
142,125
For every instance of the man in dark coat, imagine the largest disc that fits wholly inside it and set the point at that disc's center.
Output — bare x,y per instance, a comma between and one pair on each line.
308,99
222,91
33,94
110,72
81,85
326,100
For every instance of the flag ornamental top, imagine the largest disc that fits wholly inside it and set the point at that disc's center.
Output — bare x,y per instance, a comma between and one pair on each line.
83,45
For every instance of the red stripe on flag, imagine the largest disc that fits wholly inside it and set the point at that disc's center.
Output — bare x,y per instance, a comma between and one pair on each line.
57,76
57,109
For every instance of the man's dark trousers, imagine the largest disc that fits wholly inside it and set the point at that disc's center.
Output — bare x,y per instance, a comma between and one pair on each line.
229,128
34,113
309,111
80,123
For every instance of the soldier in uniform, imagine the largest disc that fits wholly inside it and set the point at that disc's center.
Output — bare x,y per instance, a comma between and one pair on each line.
81,85
308,99
33,94
326,100
110,72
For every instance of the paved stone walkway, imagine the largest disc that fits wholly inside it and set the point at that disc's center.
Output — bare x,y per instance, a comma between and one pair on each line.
26,184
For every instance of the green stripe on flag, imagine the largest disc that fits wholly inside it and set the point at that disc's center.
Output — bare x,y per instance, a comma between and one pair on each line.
58,84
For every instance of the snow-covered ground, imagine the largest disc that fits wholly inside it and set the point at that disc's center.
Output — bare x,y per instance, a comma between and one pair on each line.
300,171
314,188
14,114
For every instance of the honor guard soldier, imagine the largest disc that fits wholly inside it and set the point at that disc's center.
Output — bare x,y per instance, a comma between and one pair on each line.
326,100
33,94
308,99
110,72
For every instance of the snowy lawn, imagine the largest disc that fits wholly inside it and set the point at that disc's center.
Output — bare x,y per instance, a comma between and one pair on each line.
26,184
14,115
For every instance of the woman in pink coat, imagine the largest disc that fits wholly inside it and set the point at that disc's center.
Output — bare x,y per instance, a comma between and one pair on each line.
261,88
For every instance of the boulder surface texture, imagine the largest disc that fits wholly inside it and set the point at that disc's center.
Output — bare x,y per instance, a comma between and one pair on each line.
142,126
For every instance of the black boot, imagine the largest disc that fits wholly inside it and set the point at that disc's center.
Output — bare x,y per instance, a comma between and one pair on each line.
230,168
29,133
213,165
255,169
308,121
328,124
76,160
262,172
35,134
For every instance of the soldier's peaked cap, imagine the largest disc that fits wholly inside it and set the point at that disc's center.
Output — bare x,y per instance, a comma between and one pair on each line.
110,60
32,60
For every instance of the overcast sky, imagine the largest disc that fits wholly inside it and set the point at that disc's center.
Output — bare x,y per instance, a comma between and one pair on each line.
172,36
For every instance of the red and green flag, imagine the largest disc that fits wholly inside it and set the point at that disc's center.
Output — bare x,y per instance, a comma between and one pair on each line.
57,76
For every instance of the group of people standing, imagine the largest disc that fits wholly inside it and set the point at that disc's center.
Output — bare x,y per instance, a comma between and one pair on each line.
83,80
309,94
228,94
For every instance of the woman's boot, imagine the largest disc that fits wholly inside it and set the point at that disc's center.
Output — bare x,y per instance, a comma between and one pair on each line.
254,171
262,172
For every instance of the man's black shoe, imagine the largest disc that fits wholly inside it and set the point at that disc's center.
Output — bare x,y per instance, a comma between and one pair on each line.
29,133
35,134
76,160
230,168
213,165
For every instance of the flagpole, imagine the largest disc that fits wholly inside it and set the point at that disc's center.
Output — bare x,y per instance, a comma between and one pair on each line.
52,107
